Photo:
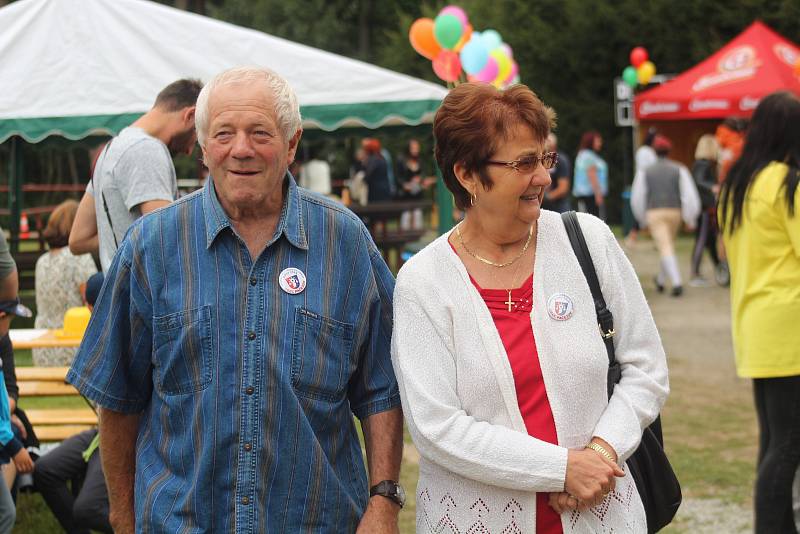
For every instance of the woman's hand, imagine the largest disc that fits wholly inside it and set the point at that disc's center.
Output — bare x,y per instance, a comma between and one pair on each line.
590,476
562,502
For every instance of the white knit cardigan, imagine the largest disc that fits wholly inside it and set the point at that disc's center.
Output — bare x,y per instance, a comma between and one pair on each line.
479,469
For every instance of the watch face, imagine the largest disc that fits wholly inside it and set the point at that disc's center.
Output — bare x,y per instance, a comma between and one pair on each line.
401,493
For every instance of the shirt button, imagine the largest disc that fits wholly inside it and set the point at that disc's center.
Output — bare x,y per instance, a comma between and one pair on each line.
245,500
253,280
249,390
248,447
251,336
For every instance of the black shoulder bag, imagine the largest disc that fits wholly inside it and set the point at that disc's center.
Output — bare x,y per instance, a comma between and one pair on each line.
655,480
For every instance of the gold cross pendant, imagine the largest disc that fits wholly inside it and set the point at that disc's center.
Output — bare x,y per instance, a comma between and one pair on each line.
509,301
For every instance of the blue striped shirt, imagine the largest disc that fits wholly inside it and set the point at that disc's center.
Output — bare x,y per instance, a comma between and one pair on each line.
247,392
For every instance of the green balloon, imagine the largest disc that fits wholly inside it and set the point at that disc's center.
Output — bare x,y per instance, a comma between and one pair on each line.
630,76
447,29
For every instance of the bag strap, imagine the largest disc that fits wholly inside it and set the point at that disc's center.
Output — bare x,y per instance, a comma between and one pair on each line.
103,195
605,319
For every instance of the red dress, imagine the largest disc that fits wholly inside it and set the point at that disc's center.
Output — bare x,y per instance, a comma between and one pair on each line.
516,333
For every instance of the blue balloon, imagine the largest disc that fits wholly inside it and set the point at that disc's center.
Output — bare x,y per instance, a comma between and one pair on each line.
474,56
491,39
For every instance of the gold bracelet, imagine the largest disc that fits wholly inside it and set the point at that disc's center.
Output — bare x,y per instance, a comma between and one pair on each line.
602,450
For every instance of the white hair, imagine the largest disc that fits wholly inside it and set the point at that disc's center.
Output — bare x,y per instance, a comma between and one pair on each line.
287,110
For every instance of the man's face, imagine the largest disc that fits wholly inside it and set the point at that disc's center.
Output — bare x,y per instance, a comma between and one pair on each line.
245,149
184,140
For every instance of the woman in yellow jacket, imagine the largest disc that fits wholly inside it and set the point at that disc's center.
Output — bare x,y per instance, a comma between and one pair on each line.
761,230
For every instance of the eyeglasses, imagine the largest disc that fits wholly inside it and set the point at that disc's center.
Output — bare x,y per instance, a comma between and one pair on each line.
527,164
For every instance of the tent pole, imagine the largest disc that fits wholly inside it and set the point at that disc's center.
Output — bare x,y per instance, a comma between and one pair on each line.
15,191
444,203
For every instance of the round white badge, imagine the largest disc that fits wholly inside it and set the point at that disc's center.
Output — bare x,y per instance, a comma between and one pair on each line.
560,307
292,280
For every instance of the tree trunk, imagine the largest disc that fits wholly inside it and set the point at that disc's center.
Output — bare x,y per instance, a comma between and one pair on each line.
364,17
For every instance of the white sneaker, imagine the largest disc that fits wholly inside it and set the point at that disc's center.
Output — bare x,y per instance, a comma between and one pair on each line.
698,281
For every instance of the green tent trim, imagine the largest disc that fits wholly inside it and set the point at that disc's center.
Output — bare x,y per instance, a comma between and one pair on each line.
326,117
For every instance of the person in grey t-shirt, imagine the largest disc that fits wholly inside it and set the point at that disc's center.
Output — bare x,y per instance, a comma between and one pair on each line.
134,173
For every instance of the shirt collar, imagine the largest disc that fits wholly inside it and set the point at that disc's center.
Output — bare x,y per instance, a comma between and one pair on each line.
290,223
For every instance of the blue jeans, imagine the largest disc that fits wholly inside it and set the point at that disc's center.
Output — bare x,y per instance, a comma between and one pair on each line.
8,510
778,407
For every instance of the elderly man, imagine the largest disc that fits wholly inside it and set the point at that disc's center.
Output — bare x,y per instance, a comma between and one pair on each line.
134,174
238,332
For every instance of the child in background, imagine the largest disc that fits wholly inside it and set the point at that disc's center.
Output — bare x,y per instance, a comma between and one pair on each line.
10,445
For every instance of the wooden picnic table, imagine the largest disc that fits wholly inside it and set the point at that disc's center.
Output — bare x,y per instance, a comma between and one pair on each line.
39,338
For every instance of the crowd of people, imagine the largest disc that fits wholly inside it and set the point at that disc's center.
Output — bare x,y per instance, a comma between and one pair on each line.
237,330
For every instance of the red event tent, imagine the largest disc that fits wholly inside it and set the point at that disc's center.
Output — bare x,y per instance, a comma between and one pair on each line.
730,82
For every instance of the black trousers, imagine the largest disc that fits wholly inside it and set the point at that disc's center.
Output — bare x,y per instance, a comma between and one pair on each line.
80,511
588,204
705,238
778,408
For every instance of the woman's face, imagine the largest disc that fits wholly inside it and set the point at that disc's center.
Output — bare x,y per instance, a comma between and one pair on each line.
598,143
515,196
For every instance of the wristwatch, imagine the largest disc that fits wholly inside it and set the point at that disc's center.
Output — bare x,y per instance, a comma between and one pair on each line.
391,490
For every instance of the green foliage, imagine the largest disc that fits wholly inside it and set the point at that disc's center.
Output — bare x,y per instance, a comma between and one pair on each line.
569,51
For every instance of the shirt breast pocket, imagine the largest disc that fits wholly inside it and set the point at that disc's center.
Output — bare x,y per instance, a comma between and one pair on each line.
182,351
320,356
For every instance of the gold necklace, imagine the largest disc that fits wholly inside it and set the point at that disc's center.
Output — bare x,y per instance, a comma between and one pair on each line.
490,262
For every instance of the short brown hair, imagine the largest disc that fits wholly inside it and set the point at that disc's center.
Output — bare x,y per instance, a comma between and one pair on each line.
179,95
60,223
474,119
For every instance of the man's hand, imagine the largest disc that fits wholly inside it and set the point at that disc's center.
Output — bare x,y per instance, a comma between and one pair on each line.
23,461
380,517
17,423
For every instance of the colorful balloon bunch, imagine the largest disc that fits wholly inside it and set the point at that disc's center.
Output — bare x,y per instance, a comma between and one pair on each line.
451,44
641,70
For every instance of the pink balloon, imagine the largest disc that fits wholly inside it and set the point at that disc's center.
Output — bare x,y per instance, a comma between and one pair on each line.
512,74
457,12
489,72
447,65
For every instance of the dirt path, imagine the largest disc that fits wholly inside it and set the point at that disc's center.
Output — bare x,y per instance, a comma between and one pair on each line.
695,330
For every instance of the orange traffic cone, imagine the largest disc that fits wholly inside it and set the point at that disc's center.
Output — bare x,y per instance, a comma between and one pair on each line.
24,227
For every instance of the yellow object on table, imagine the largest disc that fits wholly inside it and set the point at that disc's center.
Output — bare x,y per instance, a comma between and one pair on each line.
75,322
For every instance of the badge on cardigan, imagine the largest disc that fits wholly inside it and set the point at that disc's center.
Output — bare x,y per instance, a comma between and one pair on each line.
560,307
292,280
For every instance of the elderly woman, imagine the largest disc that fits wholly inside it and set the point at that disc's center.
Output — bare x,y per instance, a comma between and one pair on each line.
59,277
496,348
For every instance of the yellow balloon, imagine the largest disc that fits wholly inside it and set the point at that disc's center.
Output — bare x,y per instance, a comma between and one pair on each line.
645,72
503,64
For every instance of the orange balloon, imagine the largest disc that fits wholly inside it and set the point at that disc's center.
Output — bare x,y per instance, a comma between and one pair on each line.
465,37
422,39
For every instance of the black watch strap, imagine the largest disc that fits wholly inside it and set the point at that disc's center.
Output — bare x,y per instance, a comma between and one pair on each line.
389,489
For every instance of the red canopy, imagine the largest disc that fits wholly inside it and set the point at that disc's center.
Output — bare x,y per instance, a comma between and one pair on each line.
730,82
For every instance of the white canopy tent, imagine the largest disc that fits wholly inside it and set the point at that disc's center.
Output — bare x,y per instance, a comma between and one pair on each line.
75,68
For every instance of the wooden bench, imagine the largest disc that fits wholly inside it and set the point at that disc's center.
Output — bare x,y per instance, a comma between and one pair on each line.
53,424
